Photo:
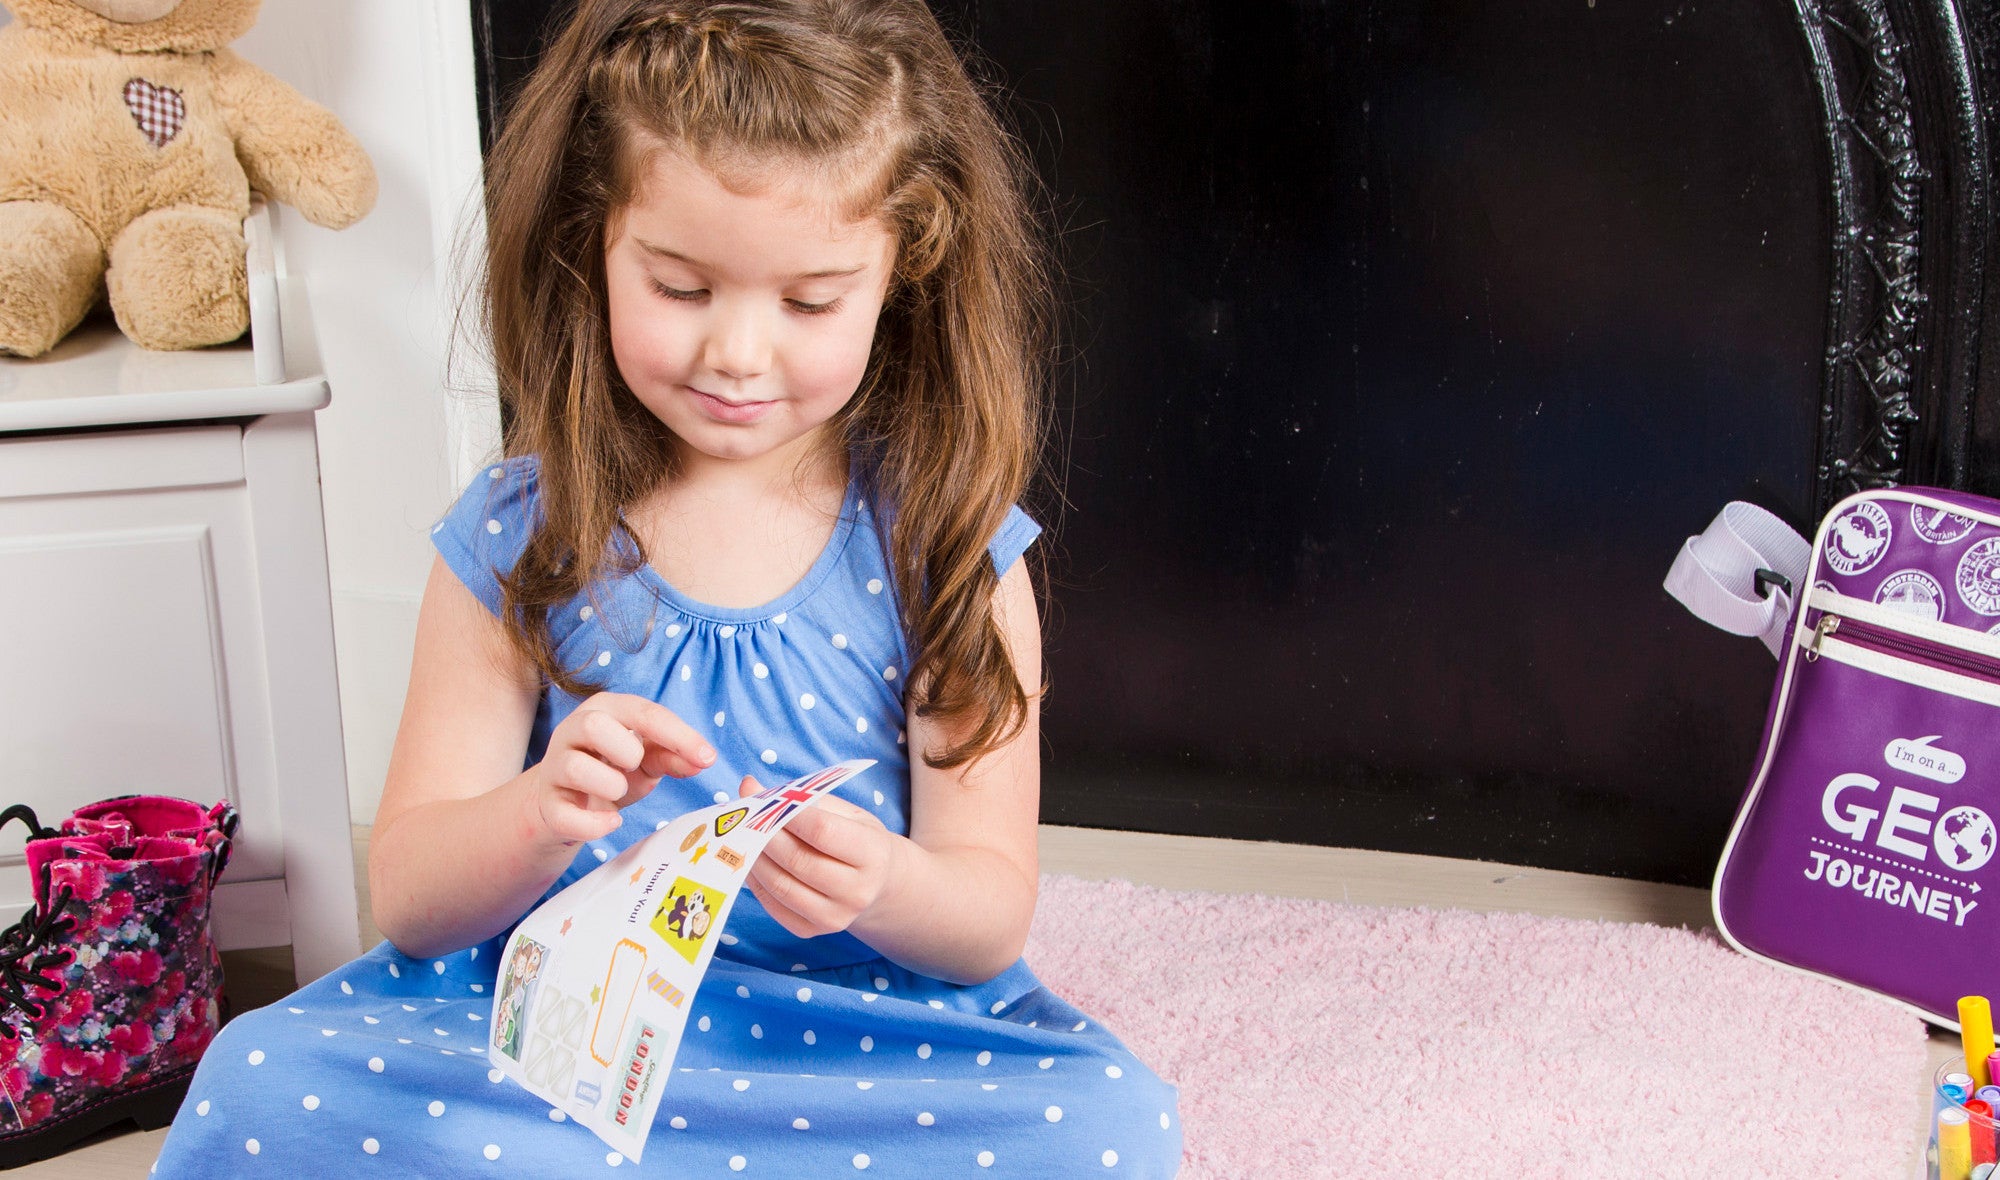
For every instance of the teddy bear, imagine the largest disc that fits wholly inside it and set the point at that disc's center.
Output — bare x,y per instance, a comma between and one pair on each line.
130,140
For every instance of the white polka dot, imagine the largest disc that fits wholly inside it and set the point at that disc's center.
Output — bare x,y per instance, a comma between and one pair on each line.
678,1123
812,1038
719,719
375,1064
1053,1114
370,1146
1110,1159
726,630
798,966
861,1162
728,939
760,671
926,1119
494,1075
403,1041
409,1007
673,630
723,797
370,1020
557,1116
437,528
437,965
757,1031
613,1159
988,1086
395,972
585,614
492,1151
878,798
780,617
807,700
702,1024
867,1044
985,1159
742,992
737,1163
1046,1062
440,1032
326,1032
881,984
924,1051
252,1146
801,1125
874,585
296,1011
687,673
1112,1071
938,1004
769,755
741,1084
861,725
346,988
985,1057
493,526
310,1102
997,1005
1164,1122
256,1057
864,1085
840,641
1079,1026
869,997
805,994
603,659
201,1108
889,673
448,1052
493,473
474,1016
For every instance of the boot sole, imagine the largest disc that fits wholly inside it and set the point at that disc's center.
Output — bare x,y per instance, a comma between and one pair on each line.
152,1106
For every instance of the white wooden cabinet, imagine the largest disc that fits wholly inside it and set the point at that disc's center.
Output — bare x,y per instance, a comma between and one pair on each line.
165,621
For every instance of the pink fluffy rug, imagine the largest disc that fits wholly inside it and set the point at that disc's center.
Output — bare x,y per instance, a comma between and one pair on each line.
1318,1039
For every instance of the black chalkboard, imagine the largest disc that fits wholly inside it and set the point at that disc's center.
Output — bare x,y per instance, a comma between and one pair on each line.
1407,343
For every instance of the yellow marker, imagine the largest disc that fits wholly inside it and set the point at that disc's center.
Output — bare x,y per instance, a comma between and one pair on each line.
1954,1137
1975,1022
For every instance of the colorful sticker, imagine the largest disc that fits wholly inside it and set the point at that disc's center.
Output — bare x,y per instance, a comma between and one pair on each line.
687,841
1858,538
728,820
729,856
683,919
517,990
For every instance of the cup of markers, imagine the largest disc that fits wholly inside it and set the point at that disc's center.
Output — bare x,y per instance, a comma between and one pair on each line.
1965,1102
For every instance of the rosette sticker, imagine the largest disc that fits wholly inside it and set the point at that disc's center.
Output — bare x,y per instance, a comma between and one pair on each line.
1978,577
1913,592
1939,526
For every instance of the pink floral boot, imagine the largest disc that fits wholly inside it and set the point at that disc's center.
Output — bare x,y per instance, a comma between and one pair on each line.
108,986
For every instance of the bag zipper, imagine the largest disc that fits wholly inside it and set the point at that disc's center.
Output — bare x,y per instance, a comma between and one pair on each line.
1889,641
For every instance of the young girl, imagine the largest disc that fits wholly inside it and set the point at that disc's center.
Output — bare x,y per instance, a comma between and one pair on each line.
762,291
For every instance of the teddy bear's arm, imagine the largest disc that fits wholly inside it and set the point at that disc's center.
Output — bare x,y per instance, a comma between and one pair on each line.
291,148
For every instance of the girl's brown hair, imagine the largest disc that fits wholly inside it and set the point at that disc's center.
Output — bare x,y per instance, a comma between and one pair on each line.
949,411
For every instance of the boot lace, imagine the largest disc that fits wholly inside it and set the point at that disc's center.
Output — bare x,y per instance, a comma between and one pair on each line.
33,947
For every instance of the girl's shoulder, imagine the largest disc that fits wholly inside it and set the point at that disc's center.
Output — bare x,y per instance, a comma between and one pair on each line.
482,535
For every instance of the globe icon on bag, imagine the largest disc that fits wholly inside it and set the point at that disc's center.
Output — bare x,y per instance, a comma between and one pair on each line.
1965,838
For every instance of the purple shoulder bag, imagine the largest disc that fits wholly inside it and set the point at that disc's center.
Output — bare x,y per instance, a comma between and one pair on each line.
1864,849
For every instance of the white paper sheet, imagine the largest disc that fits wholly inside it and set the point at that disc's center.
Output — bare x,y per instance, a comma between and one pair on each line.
594,985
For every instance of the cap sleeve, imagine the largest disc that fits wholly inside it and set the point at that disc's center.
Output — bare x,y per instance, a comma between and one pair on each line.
482,536
1017,532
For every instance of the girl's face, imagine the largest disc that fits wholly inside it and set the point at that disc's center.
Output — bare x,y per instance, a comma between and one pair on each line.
741,319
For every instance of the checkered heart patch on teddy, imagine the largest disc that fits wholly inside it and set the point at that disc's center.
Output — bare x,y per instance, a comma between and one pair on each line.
160,111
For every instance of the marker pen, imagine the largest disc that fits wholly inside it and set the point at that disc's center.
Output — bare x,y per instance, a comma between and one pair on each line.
1979,1123
1975,1021
1990,1095
1954,1145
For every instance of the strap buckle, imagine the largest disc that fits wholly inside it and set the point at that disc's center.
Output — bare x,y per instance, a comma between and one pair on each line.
1766,579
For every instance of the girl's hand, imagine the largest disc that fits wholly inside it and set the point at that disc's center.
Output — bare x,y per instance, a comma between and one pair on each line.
825,868
606,756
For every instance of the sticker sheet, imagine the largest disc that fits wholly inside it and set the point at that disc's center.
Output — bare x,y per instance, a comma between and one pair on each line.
594,984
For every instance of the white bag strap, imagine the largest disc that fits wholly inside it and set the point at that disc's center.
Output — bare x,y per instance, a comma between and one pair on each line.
1741,573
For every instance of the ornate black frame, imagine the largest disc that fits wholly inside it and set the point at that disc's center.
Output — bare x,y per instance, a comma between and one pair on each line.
1900,82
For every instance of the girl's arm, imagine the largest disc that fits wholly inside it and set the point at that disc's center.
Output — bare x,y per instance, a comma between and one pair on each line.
954,899
465,840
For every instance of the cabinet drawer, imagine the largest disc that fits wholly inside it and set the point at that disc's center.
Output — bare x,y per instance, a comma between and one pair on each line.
118,461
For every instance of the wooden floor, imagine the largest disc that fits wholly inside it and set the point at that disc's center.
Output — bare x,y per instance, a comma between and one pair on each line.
256,978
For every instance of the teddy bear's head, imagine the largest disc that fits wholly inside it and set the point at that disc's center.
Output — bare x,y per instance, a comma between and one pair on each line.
142,26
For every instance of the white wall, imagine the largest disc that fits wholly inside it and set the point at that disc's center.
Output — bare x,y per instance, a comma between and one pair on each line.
394,446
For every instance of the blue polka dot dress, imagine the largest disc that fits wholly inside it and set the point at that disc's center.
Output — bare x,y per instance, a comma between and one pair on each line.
802,1057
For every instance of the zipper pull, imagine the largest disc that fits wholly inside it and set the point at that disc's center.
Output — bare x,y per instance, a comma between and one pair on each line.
1828,624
